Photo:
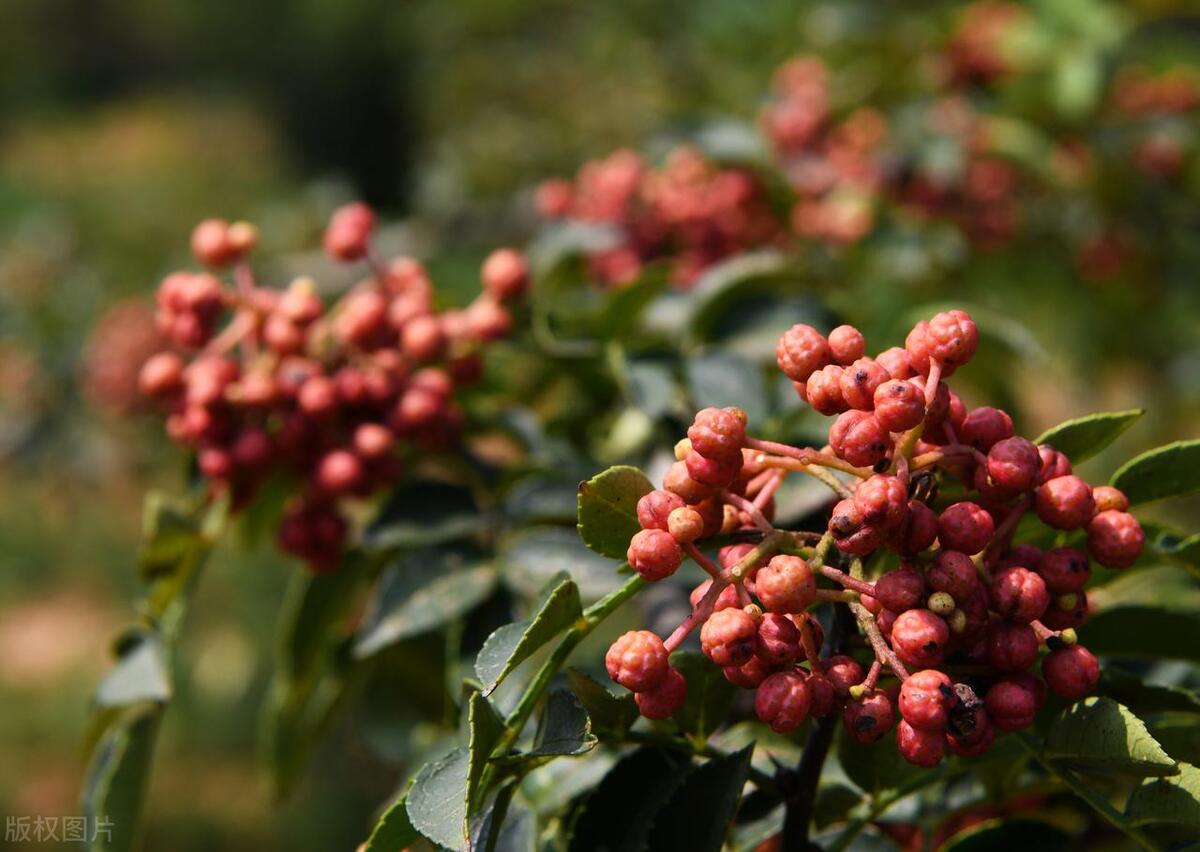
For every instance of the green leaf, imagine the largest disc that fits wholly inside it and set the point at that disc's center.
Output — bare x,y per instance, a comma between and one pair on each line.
394,830
1098,733
720,380
564,728
1164,472
607,509
624,307
1147,699
709,694
423,590
1143,631
170,534
1179,735
1167,800
1004,835
512,644
833,803
533,558
313,610
484,728
699,812
140,675
1083,437
872,768
114,792
650,386
610,714
618,815
424,513
437,800
542,498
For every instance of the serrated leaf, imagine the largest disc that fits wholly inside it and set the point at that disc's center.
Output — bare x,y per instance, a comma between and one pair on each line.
1146,699
720,380
1167,800
1143,631
394,830
999,835
564,728
607,509
1179,735
619,813
484,728
611,714
1083,437
532,558
423,590
709,694
437,800
1098,733
697,815
424,513
114,792
872,768
139,675
512,644
1167,471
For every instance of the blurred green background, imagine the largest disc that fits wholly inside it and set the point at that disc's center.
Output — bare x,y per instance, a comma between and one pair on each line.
123,122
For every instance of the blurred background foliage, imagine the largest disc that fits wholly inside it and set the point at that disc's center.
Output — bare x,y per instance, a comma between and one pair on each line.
123,122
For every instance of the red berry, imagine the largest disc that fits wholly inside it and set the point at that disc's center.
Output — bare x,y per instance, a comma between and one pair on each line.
859,438
1013,465
821,695
842,672
505,275
679,482
984,427
785,584
654,554
823,391
868,719
896,361
1064,570
1011,704
1054,464
966,527
846,344
899,405
663,701
917,346
340,472
348,231
253,449
954,573
719,433
951,337
210,243
859,381
162,375
1071,672
373,441
901,590
1064,503
972,734
654,508
920,638
729,637
422,338
926,698
801,350
1019,595
685,524
1012,647
778,640
850,533
1106,497
713,472
726,598
1025,555
920,747
748,675
215,463
919,532
882,500
1115,539
1069,610
782,701
637,660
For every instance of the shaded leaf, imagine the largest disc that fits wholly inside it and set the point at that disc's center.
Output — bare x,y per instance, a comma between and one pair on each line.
1098,733
394,830
437,800
512,644
872,768
424,513
1167,800
533,557
1005,835
1144,698
423,590
484,729
1143,631
623,308
697,816
1163,472
1083,437
650,386
720,380
609,713
313,605
542,498
618,815
114,792
564,728
607,509
709,694
833,803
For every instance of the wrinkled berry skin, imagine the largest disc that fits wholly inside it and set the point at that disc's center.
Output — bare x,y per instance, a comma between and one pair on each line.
1069,610
869,718
821,697
1013,465
900,590
1019,595
846,344
1011,705
899,405
1012,647
1106,497
954,573
778,640
859,438
919,532
859,382
719,433
1064,570
920,747
748,675
637,660
713,472
1115,539
1054,464
664,700
729,637
678,481
920,638
897,362
951,337
654,508
800,351
1071,672
654,554
1064,503
785,584
926,698
782,701
882,500
966,527
823,391
985,427
850,533
842,672
978,737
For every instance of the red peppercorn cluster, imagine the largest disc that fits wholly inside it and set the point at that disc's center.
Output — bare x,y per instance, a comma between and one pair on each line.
956,612
262,382
690,210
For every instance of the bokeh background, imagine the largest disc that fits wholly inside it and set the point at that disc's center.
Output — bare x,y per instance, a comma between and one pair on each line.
123,122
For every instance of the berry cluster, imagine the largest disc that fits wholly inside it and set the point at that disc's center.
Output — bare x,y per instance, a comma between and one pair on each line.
931,495
265,383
